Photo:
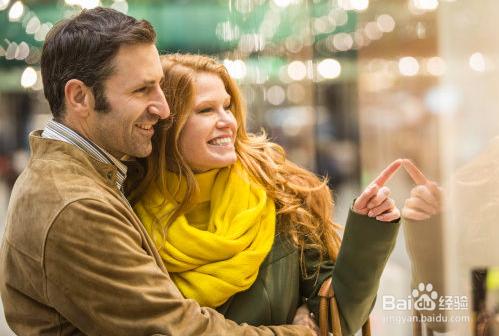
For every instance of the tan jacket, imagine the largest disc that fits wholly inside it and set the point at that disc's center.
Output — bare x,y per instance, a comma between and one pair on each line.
75,259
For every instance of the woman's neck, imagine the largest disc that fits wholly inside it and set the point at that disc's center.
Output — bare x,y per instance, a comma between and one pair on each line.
178,186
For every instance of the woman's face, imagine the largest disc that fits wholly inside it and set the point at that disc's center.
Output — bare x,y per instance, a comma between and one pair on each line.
207,139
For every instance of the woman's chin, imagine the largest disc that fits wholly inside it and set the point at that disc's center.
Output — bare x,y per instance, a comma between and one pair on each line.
214,163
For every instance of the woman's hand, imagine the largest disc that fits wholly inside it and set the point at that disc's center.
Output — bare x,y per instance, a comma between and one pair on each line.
375,201
426,197
302,317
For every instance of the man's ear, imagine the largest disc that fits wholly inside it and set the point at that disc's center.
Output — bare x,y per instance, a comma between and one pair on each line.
78,97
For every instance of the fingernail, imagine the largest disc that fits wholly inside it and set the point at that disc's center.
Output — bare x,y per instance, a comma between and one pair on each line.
370,214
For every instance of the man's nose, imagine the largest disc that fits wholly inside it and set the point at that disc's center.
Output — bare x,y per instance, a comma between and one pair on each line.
159,106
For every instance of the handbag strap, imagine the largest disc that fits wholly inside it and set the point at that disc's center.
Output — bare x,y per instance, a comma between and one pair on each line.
328,307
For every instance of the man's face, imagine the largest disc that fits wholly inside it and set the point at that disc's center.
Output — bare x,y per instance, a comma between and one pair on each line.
136,103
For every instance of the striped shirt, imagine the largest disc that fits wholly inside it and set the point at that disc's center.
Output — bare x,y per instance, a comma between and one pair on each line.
57,131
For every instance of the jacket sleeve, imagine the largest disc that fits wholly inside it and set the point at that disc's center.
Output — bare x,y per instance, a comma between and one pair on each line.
423,241
99,277
365,248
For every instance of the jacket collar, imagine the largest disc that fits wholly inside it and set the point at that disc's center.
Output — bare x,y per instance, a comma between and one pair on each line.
45,148
58,131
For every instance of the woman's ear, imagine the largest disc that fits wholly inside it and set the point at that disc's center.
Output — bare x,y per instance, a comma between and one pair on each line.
79,98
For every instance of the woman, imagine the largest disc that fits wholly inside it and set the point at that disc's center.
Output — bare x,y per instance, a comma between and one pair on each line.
244,230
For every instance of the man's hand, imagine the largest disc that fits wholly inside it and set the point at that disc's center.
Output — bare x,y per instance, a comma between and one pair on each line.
426,197
302,317
375,201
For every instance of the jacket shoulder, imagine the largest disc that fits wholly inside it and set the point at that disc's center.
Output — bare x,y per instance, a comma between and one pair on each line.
39,195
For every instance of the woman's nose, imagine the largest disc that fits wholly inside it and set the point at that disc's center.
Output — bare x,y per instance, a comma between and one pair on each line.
225,119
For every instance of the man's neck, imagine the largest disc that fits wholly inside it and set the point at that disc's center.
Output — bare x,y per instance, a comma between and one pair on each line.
82,131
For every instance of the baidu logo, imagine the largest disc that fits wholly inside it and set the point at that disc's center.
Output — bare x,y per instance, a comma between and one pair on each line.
425,298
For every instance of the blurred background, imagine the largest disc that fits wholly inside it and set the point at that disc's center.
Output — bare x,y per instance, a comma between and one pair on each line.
346,86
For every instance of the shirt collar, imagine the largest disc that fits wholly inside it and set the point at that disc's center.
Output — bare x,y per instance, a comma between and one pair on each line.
57,131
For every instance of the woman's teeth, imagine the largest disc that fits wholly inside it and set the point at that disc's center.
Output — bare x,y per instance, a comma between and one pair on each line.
220,141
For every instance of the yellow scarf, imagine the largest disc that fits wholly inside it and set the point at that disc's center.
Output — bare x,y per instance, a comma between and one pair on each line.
219,253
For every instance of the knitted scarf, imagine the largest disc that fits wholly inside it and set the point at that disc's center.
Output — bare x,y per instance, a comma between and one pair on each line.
218,253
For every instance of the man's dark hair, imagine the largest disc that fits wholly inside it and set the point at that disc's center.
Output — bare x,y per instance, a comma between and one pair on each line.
84,48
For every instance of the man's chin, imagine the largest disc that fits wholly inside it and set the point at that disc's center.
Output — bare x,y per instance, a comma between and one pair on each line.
141,152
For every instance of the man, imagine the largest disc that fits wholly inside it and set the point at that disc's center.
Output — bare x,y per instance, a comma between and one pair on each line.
75,259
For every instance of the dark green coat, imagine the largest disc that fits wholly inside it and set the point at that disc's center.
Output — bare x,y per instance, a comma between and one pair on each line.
281,288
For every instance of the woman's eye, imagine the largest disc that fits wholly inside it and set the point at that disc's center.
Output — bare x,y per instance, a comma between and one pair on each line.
206,110
211,109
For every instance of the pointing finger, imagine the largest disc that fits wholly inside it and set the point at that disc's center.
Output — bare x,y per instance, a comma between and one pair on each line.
416,175
387,173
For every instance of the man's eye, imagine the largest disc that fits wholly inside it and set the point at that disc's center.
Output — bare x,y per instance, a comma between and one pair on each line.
142,89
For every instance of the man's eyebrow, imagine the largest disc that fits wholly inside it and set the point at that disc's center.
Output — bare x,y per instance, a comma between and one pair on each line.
148,82
151,81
